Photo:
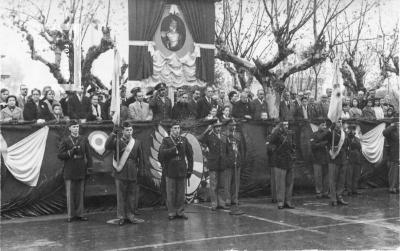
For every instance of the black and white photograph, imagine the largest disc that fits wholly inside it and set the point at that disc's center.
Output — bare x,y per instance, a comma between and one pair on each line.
199,125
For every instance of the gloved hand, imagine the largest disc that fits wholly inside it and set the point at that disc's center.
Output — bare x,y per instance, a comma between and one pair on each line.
75,149
188,175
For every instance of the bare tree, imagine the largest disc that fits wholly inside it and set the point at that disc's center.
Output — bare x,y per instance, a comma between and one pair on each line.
287,20
33,22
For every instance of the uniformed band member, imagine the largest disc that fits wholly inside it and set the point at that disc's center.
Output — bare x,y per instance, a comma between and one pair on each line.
391,134
174,151
282,147
160,104
320,158
125,172
354,157
234,159
337,169
272,165
216,142
74,151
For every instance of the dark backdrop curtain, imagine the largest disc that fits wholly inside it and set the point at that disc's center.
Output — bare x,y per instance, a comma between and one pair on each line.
144,17
200,18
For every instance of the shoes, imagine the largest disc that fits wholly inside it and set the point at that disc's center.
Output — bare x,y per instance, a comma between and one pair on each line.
393,191
334,204
183,217
81,218
213,208
280,207
171,217
319,196
325,196
357,193
136,221
121,222
274,201
288,206
137,212
342,202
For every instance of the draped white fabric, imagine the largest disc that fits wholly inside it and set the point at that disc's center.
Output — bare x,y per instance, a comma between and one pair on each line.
173,71
24,158
372,144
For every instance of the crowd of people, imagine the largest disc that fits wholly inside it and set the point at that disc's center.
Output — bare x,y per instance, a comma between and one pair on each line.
42,106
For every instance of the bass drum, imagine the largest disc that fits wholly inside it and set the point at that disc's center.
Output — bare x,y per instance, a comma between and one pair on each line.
198,167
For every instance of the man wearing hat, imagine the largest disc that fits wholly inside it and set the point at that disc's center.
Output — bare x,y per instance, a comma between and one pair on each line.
234,157
160,104
354,158
320,159
280,144
391,134
130,160
174,151
217,144
75,152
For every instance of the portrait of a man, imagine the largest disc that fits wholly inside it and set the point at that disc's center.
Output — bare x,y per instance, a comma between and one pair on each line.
173,32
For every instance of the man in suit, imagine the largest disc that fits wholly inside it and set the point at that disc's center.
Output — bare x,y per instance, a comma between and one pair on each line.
23,96
286,108
281,146
217,144
324,106
303,111
125,171
75,152
78,105
160,104
205,104
174,151
193,103
95,111
140,110
241,109
259,106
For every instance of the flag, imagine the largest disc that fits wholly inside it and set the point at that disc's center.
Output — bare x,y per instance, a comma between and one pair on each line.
115,95
335,105
77,56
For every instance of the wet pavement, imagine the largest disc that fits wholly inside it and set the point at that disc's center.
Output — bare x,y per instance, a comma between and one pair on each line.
371,221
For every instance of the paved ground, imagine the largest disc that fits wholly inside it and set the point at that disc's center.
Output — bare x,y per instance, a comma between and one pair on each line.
371,221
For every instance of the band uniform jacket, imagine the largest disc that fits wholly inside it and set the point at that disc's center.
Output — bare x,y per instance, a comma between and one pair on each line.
172,154
133,164
258,107
78,109
140,111
75,164
319,150
204,107
282,148
217,150
353,150
161,110
391,134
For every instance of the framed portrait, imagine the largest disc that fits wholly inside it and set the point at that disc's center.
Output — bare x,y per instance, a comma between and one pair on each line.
173,32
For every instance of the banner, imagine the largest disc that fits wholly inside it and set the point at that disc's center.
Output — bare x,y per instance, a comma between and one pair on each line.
115,92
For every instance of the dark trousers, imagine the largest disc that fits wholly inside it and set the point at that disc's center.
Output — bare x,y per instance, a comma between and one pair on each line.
230,185
393,176
163,188
175,196
337,175
217,188
75,190
126,193
321,179
284,179
353,172
273,184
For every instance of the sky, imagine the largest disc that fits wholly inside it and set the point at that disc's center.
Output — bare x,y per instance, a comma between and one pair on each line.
22,69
